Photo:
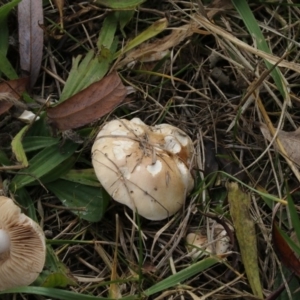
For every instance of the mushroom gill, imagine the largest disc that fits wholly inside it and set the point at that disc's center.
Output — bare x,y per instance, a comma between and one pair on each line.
22,246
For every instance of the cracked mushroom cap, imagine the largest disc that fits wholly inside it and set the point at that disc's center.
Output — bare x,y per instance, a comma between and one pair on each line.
22,247
144,167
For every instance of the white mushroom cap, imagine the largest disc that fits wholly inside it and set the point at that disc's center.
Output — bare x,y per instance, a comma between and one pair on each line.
22,247
198,244
144,167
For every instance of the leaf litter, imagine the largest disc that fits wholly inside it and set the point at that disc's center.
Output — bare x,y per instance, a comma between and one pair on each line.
85,107
181,88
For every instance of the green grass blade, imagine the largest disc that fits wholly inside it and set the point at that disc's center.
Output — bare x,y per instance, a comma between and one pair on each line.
88,202
4,160
33,143
4,11
117,4
83,176
42,163
251,23
124,17
182,275
77,72
147,34
53,293
107,33
6,68
93,68
17,147
58,171
84,74
25,201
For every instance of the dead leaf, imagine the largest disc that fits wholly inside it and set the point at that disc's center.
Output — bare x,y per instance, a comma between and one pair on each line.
10,93
244,226
289,140
89,104
157,49
284,252
160,47
31,37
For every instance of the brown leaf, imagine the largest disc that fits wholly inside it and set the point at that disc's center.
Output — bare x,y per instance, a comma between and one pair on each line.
31,38
89,104
157,49
10,93
290,141
284,252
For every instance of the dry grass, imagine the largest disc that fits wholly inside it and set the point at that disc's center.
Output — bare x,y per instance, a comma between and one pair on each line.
215,86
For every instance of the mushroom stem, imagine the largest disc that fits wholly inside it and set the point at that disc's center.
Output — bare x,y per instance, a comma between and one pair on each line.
4,241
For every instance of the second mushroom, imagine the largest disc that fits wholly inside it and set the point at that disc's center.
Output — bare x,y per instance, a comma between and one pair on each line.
22,247
144,167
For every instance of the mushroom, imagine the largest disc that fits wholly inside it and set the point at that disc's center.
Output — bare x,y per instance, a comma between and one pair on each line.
144,167
198,243
22,247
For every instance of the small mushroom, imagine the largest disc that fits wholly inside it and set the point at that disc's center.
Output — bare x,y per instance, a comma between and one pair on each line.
144,167
22,247
198,244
